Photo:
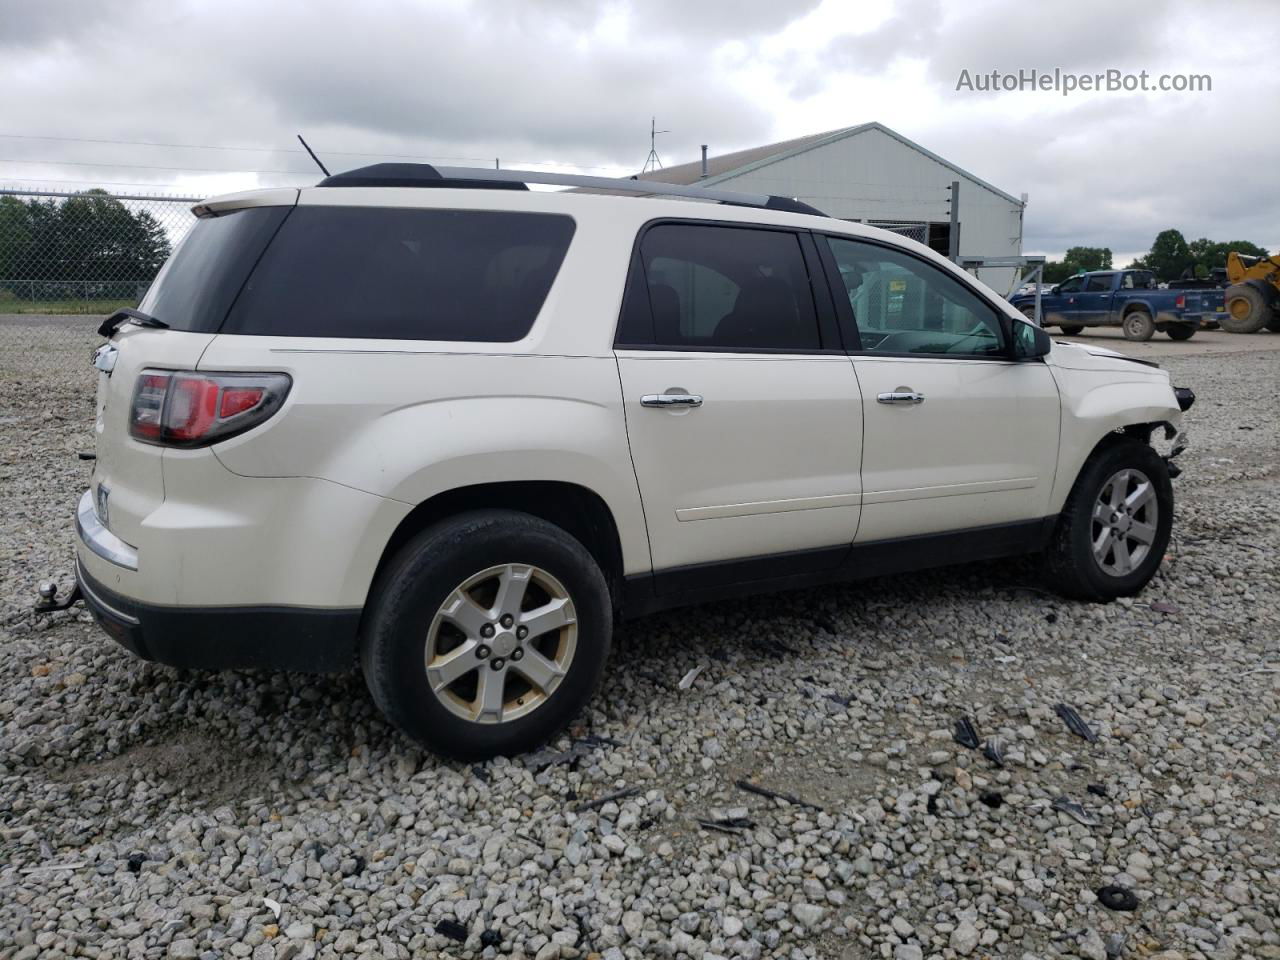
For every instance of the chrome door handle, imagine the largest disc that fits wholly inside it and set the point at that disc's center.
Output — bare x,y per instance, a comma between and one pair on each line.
901,396
671,400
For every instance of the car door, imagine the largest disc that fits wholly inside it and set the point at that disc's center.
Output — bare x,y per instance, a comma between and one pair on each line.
1063,307
742,410
956,435
1095,299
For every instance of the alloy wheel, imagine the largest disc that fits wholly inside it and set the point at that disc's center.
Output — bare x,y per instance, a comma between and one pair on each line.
501,643
1126,516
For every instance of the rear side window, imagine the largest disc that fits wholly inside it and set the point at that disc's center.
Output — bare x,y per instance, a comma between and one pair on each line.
401,274
719,288
196,287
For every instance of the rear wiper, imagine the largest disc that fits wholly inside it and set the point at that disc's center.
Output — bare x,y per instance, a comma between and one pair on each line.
129,315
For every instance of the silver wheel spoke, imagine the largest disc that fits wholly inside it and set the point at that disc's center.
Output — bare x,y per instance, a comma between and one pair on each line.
1144,533
548,617
490,694
1118,484
1140,497
512,583
537,669
1102,514
1102,543
1124,562
464,613
453,665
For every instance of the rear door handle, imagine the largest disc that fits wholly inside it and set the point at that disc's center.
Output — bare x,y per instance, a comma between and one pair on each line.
901,397
671,400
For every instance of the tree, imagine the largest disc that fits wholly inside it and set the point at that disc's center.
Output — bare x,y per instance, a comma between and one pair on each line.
1169,258
1209,254
1075,260
91,246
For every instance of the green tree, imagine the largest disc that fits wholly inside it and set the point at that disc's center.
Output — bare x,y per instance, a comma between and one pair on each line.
1169,258
1209,254
1075,260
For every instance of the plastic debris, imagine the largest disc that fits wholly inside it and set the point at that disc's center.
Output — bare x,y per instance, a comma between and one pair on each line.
750,787
273,906
966,734
607,798
993,750
687,680
1098,790
1076,812
451,929
1117,898
1074,723
733,825
992,798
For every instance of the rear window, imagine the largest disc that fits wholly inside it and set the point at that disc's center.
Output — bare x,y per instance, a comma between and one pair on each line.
196,288
403,274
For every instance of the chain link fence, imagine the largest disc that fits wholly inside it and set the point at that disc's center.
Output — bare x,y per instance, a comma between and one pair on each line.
68,258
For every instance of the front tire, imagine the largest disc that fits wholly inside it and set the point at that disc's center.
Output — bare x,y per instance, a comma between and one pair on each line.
1072,329
1246,309
1180,331
487,633
1138,325
1114,529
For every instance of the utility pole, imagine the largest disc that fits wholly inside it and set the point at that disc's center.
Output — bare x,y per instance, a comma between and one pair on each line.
953,237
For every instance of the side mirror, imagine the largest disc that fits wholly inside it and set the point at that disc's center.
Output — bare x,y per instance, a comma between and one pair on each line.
1029,341
1054,289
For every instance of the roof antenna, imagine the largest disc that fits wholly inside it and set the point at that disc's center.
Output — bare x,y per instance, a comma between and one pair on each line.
313,155
653,149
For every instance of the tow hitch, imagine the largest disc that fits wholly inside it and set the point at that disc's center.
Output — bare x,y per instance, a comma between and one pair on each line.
49,602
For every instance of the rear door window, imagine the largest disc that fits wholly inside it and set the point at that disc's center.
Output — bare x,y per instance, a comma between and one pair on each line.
715,287
403,274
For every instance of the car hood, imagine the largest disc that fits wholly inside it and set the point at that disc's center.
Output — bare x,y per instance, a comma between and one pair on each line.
1078,356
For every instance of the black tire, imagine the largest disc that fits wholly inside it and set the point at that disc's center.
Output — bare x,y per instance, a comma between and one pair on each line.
1071,567
411,591
1274,323
1246,308
1072,329
1180,331
1029,311
1138,325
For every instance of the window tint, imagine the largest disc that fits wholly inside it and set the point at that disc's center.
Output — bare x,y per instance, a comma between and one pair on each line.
1071,285
904,305
403,274
722,288
196,287
1099,283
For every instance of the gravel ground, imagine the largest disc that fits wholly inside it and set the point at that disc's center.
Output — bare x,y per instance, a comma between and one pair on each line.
151,812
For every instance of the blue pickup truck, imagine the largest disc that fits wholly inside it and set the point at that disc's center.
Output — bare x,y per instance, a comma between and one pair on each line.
1128,299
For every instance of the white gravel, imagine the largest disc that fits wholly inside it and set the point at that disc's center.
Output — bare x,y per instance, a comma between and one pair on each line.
152,813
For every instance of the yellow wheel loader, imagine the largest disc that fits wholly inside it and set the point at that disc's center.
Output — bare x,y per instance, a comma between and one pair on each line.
1253,298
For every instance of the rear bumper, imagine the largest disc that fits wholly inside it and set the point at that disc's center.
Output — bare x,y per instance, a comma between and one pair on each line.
308,640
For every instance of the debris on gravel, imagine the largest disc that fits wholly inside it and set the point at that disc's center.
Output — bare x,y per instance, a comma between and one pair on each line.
158,813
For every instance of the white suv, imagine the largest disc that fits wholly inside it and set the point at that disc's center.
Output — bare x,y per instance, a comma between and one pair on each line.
452,427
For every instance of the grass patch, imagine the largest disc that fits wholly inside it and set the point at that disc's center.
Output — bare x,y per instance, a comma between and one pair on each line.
91,307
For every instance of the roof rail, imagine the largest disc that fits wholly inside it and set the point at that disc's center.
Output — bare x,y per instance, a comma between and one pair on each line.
426,175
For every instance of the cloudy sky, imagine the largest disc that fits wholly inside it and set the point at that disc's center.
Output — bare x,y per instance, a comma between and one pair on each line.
165,94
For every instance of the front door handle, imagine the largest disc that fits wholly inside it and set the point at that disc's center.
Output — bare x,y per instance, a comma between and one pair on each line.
902,395
671,400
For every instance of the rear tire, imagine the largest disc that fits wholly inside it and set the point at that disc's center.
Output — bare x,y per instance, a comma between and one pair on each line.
1180,331
1274,323
1098,550
1246,308
1138,325
1072,329
467,615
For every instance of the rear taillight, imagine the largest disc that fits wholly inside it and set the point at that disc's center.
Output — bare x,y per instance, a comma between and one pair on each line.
181,409
1181,302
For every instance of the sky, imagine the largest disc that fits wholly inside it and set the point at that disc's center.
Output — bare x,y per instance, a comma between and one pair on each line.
198,97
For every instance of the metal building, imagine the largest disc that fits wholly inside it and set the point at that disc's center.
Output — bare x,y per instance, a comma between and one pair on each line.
874,175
